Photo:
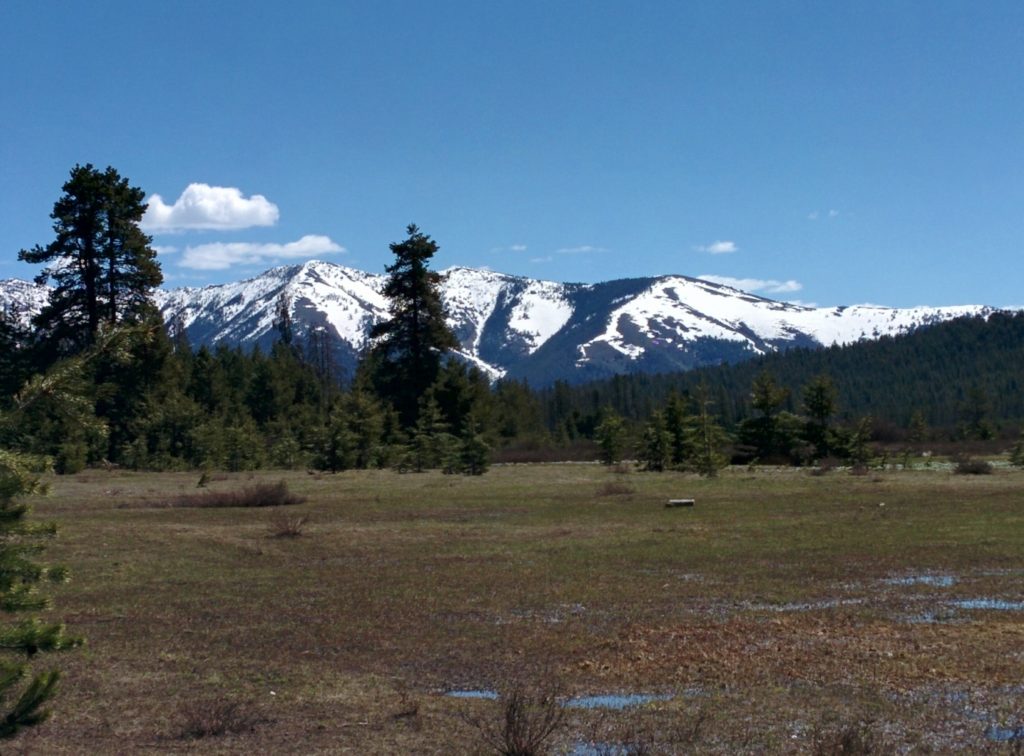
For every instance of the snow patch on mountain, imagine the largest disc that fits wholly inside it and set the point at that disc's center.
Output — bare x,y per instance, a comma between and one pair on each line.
503,321
540,312
845,325
469,297
21,300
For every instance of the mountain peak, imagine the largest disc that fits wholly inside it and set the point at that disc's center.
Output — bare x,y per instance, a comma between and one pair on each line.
526,328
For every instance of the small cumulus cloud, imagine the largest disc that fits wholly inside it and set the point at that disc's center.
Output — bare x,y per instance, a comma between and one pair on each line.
546,259
584,249
828,214
509,248
223,255
163,249
205,207
762,285
724,247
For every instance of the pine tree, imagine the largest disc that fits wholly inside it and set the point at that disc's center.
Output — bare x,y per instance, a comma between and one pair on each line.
820,400
706,438
461,393
1017,453
610,435
102,265
764,432
974,412
677,423
654,451
19,578
429,442
21,541
475,453
858,445
405,358
366,425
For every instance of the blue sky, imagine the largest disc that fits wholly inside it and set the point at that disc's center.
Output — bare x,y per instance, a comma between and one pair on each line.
823,152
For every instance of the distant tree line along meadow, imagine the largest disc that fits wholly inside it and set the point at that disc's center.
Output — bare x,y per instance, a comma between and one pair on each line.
158,403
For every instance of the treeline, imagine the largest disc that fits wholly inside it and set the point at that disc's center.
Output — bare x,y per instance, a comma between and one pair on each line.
145,399
164,406
963,379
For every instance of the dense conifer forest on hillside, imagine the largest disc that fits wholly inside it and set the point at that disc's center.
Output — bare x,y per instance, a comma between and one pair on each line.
949,373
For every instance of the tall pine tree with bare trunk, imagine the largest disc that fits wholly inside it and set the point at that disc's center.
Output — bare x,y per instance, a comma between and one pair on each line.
101,264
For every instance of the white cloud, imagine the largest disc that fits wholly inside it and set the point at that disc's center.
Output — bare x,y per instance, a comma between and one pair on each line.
833,213
518,248
202,206
830,214
510,248
719,248
546,259
223,255
162,249
584,249
813,215
766,286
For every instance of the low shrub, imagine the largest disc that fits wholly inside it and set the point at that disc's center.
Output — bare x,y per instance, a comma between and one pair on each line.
852,739
529,720
615,488
205,719
969,466
259,495
284,526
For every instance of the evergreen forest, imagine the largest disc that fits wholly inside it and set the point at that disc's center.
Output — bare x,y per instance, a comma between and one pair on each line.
146,399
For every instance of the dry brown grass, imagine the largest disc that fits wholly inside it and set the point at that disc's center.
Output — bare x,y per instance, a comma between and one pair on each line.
766,608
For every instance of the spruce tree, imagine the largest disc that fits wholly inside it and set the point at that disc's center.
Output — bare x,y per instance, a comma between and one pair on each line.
706,438
677,422
858,444
610,435
475,453
820,400
428,441
654,451
1017,452
21,541
20,576
770,431
407,350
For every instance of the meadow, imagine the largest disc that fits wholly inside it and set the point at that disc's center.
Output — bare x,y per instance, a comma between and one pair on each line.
785,612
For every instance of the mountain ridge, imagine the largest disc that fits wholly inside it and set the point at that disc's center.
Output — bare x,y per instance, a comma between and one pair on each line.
520,327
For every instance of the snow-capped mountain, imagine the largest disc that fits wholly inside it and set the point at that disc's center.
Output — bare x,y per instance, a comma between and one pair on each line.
524,328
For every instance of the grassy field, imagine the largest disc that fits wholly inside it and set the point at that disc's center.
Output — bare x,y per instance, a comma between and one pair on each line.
783,613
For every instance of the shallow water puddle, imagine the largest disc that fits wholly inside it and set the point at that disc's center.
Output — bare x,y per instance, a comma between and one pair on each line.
490,695
599,749
1005,734
999,605
613,701
604,701
937,581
